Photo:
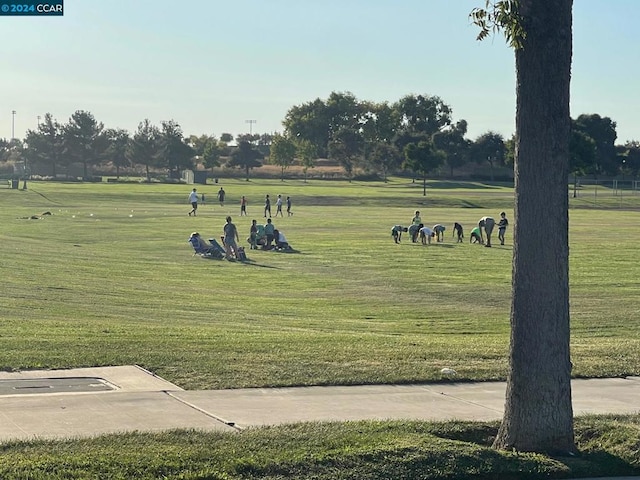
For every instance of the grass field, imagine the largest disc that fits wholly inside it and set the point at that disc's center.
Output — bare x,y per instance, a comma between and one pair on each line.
109,279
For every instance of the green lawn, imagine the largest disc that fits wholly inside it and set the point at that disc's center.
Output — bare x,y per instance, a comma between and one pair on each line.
109,279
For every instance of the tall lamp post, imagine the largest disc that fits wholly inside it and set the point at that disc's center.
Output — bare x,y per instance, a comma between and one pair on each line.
251,123
13,124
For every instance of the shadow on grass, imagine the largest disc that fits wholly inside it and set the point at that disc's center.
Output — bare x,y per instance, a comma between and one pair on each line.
468,204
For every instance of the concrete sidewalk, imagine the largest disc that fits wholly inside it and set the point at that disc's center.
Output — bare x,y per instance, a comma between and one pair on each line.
93,401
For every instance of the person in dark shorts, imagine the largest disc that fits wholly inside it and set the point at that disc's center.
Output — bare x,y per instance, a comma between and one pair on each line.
193,200
289,212
243,206
502,227
267,206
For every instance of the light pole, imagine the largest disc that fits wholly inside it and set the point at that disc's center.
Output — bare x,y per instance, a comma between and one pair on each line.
250,122
13,124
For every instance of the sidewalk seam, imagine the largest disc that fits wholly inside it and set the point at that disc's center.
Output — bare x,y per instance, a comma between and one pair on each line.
204,412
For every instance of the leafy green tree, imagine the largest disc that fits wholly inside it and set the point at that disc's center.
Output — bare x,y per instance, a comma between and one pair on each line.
385,158
346,148
420,117
226,138
118,148
144,146
85,140
489,147
423,158
213,150
452,142
307,153
631,162
582,155
245,156
174,153
603,132
282,153
45,145
538,413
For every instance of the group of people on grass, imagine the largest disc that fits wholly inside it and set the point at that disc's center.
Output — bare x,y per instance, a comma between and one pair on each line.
194,198
418,230
279,201
265,237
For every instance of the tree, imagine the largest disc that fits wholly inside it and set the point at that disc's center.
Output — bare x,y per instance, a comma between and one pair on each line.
85,140
226,138
307,153
582,155
385,158
422,158
174,153
420,117
245,156
452,142
118,148
631,162
538,413
143,148
211,153
282,153
45,145
489,147
346,147
603,132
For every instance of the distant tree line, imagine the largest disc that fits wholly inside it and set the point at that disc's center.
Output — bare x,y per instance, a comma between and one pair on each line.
415,134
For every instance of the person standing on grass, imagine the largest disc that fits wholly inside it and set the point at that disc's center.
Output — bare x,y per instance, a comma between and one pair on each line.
487,223
221,195
279,206
416,221
269,232
243,206
267,206
193,200
289,212
502,227
230,239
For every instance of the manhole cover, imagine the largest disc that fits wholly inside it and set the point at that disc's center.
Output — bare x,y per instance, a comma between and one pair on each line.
53,385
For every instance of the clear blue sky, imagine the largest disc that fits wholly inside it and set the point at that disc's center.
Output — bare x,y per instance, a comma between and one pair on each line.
211,64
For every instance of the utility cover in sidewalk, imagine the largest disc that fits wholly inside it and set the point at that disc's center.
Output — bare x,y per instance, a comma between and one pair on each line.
53,385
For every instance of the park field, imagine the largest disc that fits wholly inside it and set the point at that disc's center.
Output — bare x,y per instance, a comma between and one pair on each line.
109,279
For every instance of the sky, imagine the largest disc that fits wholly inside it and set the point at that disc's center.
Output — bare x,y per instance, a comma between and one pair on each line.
213,65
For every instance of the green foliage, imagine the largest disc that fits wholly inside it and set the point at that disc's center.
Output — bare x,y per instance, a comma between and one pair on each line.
283,151
245,156
423,158
85,140
500,16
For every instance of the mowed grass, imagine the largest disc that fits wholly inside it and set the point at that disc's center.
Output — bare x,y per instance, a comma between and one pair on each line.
368,450
109,279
